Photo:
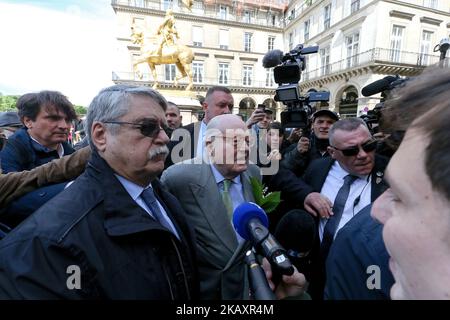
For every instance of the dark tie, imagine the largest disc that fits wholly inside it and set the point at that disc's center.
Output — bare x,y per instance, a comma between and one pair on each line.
150,200
338,209
226,197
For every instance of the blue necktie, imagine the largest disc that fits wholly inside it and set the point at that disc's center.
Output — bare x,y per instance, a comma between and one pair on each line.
150,200
338,209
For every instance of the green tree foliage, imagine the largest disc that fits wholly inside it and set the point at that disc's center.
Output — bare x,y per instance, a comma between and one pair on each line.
8,102
80,110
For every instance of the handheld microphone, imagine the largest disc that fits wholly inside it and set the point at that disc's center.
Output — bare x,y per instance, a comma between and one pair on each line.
272,58
258,282
296,231
378,86
251,222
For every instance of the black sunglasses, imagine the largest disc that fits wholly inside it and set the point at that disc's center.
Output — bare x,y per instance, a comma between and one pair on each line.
148,128
369,146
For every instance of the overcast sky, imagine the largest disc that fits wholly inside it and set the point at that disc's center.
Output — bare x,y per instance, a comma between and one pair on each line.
63,45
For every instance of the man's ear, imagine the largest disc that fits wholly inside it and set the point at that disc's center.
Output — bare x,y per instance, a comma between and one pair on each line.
28,122
98,136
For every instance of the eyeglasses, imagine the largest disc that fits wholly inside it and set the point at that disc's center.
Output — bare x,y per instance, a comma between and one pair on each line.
369,146
148,128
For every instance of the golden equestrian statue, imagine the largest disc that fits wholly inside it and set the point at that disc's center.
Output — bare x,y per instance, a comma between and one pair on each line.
163,49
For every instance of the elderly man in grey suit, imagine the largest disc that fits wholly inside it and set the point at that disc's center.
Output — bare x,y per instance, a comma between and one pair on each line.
209,192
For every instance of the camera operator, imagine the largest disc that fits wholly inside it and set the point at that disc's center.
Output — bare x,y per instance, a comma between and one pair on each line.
315,147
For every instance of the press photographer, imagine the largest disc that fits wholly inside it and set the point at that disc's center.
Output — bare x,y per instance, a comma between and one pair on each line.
287,74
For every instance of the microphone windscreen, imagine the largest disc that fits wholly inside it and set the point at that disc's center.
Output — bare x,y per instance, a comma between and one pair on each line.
296,231
272,58
246,212
378,86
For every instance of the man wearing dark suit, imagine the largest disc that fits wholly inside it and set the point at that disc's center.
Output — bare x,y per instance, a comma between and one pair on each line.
187,142
353,167
357,250
115,233
200,188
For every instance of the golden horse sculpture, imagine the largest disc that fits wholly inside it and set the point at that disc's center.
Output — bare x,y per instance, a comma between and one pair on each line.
164,51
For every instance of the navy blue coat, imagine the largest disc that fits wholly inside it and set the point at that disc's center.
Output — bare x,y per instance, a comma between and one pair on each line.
120,250
23,153
358,245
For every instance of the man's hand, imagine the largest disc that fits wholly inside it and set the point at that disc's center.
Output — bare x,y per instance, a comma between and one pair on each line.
290,286
303,145
274,155
295,135
315,203
256,116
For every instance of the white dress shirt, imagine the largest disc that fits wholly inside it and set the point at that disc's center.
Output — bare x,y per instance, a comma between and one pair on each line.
135,192
360,188
201,140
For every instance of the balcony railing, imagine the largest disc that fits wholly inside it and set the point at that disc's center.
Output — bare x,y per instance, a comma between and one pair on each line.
376,55
207,11
147,77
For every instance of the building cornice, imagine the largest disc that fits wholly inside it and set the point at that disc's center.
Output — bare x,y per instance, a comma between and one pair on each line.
372,68
197,87
197,18
415,6
401,14
432,21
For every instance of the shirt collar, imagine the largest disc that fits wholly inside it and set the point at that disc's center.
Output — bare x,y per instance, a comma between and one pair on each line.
343,173
132,188
39,147
219,177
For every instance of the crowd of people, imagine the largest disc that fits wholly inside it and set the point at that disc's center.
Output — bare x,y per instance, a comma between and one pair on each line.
143,206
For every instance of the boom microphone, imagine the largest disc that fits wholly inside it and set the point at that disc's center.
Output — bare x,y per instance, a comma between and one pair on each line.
272,58
250,222
378,86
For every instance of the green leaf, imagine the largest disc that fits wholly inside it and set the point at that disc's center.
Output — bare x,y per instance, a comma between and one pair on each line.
257,189
272,200
269,202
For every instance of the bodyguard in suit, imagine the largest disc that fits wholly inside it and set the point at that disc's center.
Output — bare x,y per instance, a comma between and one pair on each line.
343,184
188,142
209,192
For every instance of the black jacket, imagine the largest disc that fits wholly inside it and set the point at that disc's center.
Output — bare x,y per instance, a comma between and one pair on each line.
315,177
122,253
358,247
23,153
183,139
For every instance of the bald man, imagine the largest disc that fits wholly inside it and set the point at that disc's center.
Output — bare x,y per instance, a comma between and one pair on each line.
200,188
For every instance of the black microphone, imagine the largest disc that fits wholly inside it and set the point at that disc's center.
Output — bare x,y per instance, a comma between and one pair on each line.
378,86
258,281
272,58
251,222
296,231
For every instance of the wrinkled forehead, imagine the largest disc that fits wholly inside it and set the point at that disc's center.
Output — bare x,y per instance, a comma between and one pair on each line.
142,107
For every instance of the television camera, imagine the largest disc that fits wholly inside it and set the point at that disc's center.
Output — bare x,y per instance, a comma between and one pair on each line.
287,74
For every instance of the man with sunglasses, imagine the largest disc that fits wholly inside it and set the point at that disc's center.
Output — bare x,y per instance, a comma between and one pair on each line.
353,168
115,233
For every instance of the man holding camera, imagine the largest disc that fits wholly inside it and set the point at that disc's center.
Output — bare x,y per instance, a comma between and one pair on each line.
314,147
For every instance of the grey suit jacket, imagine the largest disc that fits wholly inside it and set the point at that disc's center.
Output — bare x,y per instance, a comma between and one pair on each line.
222,270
